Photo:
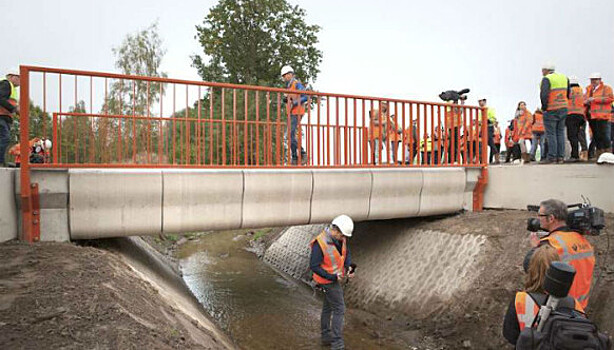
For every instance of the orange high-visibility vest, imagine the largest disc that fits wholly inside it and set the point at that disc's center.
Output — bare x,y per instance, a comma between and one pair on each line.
576,251
538,123
601,107
525,127
333,262
557,98
377,131
509,143
299,109
454,117
527,309
576,101
497,136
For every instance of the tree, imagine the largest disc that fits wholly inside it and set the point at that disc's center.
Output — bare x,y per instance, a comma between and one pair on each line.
140,54
248,41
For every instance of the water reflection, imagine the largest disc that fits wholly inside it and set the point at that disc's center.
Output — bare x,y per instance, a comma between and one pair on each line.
257,307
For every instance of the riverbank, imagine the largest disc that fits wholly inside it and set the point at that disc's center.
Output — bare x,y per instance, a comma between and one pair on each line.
64,295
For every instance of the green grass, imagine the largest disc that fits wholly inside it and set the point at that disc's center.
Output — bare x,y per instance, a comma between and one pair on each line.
261,233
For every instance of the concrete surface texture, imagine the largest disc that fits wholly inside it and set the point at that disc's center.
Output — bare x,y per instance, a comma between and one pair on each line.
114,203
8,207
414,272
514,187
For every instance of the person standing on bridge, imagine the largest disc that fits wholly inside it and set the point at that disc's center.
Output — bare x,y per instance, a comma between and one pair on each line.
554,95
572,247
599,100
9,108
330,263
296,105
492,118
575,119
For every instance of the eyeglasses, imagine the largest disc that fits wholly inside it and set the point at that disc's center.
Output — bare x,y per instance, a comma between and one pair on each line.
543,215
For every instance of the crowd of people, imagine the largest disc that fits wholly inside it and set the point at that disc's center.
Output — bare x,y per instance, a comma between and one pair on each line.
566,110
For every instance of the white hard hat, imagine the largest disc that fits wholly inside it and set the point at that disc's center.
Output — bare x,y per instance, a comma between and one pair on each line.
595,76
48,144
549,65
345,224
573,79
606,158
286,69
13,71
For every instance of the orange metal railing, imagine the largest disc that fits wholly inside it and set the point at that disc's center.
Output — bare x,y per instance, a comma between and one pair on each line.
122,121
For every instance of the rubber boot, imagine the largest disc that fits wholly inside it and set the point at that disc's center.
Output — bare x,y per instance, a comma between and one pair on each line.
584,156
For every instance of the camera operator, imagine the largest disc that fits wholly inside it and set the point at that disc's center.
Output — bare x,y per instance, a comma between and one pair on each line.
572,247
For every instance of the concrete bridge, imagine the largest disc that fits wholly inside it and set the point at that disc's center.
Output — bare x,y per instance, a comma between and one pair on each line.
99,203
223,161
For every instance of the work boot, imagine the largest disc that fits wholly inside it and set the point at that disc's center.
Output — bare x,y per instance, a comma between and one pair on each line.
547,161
572,160
584,156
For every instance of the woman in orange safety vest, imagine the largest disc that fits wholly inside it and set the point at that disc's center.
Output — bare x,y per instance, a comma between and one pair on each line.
524,123
523,310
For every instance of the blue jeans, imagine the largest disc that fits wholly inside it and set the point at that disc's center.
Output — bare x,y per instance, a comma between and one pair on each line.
333,312
554,121
538,140
5,138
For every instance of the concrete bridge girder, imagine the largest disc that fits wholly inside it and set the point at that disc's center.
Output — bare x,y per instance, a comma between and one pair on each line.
98,203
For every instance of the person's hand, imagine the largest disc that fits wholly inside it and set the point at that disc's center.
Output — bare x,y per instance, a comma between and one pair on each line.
534,239
351,275
17,109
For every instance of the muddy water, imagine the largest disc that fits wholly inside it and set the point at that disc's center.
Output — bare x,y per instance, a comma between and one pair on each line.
256,306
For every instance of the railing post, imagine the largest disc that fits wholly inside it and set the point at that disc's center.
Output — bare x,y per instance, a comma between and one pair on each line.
28,221
478,191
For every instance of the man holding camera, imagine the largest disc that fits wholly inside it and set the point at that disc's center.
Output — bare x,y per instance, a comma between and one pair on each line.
330,264
572,247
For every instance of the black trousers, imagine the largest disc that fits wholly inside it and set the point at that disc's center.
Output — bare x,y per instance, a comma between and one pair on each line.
600,133
491,138
574,123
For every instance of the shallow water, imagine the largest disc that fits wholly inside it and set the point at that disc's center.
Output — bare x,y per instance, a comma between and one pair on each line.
255,305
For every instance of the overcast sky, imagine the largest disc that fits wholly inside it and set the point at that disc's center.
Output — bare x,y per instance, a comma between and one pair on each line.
401,49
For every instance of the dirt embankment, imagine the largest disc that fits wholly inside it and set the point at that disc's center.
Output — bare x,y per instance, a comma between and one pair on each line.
474,319
61,295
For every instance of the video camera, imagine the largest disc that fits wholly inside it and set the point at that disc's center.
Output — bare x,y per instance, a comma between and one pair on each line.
584,220
453,95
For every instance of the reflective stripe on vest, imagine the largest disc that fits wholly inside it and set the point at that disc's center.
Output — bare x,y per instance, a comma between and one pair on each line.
332,261
557,98
583,261
526,310
576,101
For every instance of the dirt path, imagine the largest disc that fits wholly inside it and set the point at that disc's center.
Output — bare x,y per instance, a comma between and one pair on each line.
61,295
474,319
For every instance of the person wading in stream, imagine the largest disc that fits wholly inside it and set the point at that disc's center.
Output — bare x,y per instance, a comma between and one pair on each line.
330,263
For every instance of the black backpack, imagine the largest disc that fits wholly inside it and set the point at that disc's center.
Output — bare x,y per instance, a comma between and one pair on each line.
565,329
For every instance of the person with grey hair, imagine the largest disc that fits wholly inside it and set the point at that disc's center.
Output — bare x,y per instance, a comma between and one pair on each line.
572,247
